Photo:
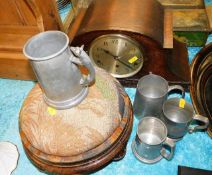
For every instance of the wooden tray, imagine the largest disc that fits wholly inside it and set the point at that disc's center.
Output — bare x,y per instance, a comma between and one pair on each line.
201,71
162,55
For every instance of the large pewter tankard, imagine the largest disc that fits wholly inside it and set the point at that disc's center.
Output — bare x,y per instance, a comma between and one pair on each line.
56,67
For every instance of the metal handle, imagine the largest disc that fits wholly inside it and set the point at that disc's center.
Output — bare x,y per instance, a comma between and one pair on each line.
83,59
177,87
199,118
168,142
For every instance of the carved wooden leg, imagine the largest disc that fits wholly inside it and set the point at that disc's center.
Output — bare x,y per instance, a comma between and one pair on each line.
121,154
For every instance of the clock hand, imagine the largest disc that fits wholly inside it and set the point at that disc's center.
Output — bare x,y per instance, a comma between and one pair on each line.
107,52
117,58
124,64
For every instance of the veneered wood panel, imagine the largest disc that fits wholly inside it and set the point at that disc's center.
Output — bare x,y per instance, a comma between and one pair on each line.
13,42
168,29
15,65
9,13
20,20
18,12
50,14
26,12
76,24
31,30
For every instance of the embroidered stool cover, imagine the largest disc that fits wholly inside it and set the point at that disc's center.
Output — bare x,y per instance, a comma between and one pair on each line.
76,134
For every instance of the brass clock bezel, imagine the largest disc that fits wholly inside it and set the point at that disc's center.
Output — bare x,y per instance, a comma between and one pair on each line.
128,39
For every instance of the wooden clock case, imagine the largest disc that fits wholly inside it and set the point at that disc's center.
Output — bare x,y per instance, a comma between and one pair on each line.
148,23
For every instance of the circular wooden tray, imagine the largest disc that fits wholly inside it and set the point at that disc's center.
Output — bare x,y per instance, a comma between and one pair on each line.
201,75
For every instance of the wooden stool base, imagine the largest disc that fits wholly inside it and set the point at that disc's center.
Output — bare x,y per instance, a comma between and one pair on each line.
114,153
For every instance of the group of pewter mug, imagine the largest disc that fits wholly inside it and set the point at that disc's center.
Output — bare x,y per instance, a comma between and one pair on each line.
162,121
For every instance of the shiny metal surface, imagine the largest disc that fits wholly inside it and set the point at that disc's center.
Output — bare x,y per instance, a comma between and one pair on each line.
178,119
56,68
117,54
151,136
151,131
152,90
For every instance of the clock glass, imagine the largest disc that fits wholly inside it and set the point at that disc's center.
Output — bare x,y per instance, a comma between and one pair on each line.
117,54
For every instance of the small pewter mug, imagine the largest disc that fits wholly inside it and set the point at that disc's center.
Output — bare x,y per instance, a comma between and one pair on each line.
152,90
151,139
178,115
56,68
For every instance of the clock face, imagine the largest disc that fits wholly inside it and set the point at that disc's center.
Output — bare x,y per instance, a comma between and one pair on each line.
117,54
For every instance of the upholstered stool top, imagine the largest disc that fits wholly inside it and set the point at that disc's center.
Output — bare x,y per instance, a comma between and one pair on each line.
76,130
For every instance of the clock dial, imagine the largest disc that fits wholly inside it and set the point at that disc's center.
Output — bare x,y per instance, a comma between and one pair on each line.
118,54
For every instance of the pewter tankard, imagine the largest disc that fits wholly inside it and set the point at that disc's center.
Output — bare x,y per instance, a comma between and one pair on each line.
178,116
152,90
151,139
56,68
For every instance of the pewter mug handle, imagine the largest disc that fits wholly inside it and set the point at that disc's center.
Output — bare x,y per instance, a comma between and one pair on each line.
199,118
168,142
83,59
177,87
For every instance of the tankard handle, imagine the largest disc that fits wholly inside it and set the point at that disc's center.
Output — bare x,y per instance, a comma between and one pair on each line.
201,119
83,59
168,142
177,87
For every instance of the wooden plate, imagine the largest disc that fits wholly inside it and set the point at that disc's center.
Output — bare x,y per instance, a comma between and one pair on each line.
201,78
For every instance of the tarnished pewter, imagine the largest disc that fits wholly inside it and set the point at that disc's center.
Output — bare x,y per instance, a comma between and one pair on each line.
56,68
152,90
151,139
178,116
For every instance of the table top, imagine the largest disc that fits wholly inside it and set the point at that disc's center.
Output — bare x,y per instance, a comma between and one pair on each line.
194,150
